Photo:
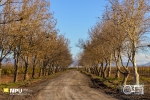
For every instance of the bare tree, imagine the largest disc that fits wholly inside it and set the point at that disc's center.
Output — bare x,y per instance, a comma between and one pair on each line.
131,14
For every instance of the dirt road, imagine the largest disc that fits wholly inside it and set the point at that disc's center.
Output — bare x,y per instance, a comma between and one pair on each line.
70,86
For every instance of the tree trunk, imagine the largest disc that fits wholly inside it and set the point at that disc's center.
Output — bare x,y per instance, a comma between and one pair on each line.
117,73
126,75
43,68
26,70
33,67
100,71
102,68
109,71
49,70
104,74
33,71
89,71
57,69
43,71
136,75
109,68
46,72
95,70
118,65
40,71
15,69
0,71
16,57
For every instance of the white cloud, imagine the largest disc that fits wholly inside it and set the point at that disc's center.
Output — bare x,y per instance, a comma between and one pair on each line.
140,59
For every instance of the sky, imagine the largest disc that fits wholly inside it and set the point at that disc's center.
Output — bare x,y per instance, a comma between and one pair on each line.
75,17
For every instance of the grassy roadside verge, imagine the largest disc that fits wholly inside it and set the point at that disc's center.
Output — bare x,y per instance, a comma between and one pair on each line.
116,83
112,86
30,82
108,82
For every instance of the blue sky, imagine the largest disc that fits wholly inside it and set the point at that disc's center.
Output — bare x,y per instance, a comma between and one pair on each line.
75,17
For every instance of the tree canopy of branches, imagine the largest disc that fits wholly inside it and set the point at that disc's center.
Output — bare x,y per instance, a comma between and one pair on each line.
28,35
119,33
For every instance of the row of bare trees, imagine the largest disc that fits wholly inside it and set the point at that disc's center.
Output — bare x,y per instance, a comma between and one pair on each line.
121,32
28,35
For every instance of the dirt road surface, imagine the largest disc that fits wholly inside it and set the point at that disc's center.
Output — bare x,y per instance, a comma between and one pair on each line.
70,86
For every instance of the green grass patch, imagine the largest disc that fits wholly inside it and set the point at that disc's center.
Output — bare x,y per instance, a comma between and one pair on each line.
144,79
110,82
30,81
115,83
